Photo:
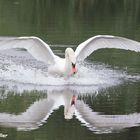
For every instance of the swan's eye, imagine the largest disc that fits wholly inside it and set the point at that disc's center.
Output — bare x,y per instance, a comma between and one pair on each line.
73,65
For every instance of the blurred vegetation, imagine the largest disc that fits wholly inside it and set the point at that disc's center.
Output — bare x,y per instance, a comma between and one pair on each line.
70,22
16,103
122,99
118,59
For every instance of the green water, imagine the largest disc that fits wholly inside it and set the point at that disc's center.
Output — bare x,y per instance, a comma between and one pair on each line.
72,22
69,22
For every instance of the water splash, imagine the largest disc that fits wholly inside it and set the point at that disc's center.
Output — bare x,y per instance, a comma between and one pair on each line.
22,71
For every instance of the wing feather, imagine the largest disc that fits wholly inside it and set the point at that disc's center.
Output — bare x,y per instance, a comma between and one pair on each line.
103,123
105,41
34,45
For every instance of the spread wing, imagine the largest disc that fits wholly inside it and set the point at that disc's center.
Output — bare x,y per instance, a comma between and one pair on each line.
32,118
35,46
105,41
104,123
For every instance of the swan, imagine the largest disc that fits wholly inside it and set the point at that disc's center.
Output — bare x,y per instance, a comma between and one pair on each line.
67,66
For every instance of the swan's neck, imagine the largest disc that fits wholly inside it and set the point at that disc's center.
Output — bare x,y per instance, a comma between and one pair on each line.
68,66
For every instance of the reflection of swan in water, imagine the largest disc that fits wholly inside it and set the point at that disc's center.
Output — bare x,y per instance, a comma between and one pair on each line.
40,111
105,123
66,66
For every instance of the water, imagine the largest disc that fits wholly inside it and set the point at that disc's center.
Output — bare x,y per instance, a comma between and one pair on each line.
105,91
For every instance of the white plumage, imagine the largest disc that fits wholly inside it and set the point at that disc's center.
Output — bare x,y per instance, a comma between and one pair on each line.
66,66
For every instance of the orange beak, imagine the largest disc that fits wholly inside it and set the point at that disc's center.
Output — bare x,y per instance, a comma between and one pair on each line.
73,68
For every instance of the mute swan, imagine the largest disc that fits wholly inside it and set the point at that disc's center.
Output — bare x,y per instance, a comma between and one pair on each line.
67,66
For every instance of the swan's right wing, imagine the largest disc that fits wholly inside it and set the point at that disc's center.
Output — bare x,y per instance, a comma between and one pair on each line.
35,46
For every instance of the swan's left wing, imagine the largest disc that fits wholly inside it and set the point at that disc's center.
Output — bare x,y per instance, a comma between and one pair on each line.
105,41
34,45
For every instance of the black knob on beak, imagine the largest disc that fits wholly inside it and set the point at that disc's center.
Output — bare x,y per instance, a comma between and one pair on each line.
73,65
73,68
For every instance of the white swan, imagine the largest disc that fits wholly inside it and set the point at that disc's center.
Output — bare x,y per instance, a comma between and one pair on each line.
67,66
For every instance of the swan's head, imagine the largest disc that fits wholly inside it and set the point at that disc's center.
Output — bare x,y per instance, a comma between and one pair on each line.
70,56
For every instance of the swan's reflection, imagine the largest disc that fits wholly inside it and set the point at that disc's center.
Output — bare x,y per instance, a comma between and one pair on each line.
40,110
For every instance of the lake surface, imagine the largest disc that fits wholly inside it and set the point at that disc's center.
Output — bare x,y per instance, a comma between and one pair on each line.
102,101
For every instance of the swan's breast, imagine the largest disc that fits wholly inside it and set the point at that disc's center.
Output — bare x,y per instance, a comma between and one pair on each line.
58,67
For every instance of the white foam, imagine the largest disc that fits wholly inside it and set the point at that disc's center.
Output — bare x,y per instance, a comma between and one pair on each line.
89,77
